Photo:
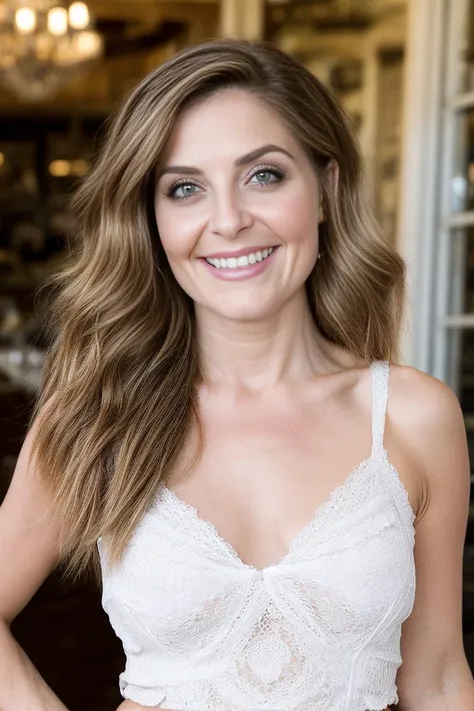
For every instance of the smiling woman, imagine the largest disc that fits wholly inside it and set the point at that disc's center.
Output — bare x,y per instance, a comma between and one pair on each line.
212,425
244,214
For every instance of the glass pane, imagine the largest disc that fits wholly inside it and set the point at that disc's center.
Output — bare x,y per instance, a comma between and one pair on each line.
465,47
462,342
461,272
462,181
461,377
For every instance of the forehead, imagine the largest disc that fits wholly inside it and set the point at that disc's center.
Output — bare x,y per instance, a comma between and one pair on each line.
231,122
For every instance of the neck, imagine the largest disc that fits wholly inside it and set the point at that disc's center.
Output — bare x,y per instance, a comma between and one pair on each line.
255,355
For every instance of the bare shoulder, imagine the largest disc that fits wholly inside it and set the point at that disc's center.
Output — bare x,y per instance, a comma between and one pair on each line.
426,416
428,423
424,401
425,397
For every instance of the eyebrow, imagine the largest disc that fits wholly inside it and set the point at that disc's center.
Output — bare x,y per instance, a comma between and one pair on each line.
243,160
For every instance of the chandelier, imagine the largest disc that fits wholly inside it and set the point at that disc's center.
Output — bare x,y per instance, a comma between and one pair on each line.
44,44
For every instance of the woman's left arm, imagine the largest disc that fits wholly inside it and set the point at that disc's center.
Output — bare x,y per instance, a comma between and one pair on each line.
435,675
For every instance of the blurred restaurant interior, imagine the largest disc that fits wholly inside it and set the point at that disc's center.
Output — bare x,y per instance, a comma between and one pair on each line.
403,69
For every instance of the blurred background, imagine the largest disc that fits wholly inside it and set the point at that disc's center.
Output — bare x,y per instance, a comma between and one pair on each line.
404,70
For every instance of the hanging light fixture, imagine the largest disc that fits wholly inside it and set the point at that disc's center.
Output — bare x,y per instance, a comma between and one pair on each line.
44,44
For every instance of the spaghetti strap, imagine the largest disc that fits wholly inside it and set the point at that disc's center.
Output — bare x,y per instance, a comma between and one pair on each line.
380,375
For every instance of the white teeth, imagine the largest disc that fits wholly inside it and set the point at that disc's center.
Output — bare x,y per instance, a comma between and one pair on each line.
236,262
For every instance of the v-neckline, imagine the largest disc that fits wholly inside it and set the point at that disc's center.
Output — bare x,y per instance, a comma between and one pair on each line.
377,454
210,528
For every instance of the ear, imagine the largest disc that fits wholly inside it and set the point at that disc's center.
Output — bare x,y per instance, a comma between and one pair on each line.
331,179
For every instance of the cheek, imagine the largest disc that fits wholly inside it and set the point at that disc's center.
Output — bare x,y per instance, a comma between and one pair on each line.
298,219
178,236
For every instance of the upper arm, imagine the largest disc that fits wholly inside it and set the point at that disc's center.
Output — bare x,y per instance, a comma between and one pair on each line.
432,644
28,536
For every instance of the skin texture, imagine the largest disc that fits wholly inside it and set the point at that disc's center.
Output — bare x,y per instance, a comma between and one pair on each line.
230,207
277,402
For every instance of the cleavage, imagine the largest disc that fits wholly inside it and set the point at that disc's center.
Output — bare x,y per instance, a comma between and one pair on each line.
265,469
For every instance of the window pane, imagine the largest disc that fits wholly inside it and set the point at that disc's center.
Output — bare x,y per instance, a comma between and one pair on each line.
462,181
466,47
460,369
461,272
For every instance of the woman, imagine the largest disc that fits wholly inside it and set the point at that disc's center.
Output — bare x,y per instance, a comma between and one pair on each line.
220,363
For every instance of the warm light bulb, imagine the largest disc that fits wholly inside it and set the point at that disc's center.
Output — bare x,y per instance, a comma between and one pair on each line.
79,17
88,44
57,21
59,168
2,159
25,20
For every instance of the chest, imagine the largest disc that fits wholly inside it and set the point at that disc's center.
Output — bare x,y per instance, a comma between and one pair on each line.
341,576
265,467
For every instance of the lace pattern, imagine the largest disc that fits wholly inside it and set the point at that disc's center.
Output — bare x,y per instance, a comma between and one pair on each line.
318,631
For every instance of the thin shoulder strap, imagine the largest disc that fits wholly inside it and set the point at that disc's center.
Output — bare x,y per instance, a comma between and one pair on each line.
380,377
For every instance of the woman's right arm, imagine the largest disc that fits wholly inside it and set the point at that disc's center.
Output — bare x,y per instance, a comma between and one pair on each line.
28,554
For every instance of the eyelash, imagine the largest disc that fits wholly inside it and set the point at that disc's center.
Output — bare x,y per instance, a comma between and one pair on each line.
278,172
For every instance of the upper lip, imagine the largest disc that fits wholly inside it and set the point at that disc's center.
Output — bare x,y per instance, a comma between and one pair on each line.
238,253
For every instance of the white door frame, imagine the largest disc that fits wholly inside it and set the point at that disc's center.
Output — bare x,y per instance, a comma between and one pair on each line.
420,173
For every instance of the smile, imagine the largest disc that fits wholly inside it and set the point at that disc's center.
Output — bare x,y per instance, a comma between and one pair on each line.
240,262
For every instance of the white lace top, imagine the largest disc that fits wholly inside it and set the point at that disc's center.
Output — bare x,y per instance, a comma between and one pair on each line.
319,631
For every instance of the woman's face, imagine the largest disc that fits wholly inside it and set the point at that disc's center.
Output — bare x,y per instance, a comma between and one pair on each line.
237,206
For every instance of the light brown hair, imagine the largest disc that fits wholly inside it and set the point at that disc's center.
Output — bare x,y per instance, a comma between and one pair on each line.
120,378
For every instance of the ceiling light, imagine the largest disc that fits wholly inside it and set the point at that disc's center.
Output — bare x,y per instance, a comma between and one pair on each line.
25,20
58,21
44,44
79,17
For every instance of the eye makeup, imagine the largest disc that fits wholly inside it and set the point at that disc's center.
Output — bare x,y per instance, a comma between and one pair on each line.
278,175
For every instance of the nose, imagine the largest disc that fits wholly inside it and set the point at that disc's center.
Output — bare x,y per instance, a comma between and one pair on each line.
229,216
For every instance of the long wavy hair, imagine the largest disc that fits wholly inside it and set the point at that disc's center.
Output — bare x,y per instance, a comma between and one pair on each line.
118,398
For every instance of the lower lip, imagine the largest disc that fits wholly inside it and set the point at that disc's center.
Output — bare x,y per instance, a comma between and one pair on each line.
240,272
